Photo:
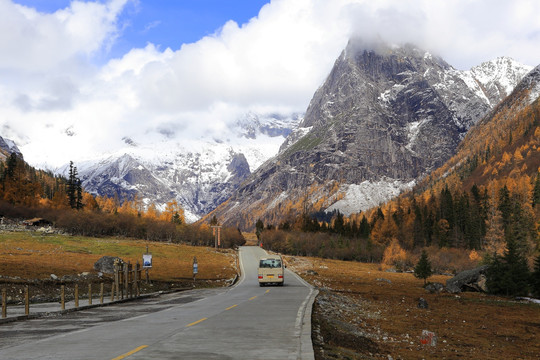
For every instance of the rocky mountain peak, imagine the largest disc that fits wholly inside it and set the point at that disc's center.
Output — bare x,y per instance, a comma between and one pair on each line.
497,78
385,117
8,147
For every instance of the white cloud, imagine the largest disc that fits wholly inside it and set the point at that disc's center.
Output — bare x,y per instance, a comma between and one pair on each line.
274,62
34,41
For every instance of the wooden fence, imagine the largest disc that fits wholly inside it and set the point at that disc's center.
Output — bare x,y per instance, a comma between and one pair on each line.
127,284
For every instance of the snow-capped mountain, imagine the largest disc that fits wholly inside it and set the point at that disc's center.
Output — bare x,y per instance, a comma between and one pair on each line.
385,117
200,174
497,78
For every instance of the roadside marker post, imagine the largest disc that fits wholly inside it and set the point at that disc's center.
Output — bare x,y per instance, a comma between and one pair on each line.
63,296
195,267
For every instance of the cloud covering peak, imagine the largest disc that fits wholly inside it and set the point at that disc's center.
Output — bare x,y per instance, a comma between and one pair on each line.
60,100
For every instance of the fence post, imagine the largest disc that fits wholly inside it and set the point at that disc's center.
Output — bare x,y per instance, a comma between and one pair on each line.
76,295
117,279
26,301
89,293
4,304
136,280
113,285
121,280
63,296
130,272
101,294
126,279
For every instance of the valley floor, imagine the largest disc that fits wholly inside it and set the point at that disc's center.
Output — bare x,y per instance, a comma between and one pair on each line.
361,312
364,313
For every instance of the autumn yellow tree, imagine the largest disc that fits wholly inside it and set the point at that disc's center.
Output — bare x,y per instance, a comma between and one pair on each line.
173,213
152,212
89,202
394,255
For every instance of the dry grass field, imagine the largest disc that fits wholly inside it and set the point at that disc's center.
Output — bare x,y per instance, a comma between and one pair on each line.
364,313
27,258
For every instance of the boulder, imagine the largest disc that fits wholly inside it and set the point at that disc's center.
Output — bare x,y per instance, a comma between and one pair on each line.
106,264
434,288
422,303
469,280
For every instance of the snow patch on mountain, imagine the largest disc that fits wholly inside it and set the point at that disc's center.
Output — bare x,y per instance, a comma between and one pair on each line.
366,195
496,78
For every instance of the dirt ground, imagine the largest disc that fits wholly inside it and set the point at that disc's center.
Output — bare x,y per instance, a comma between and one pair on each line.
364,313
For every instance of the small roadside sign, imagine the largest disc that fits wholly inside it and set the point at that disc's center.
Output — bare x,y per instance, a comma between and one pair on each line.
147,261
195,266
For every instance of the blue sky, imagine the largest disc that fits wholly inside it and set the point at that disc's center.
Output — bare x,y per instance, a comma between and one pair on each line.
166,23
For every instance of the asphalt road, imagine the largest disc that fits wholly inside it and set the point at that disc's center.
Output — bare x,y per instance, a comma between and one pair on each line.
242,322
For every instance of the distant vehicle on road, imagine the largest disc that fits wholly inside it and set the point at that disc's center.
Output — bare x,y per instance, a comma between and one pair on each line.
271,270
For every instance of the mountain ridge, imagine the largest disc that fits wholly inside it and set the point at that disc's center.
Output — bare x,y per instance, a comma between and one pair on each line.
388,115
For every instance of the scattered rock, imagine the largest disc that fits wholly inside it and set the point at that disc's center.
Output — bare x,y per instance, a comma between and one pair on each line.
471,280
422,303
434,288
69,278
312,272
384,280
54,277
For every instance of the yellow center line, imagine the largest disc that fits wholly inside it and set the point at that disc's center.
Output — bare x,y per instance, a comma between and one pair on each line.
267,291
251,298
130,353
196,322
230,307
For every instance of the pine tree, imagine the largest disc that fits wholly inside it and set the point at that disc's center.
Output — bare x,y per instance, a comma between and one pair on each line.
418,227
72,186
339,224
78,195
259,227
423,268
364,228
509,275
505,207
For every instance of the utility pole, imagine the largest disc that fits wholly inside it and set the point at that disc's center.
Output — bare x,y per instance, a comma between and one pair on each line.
217,234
